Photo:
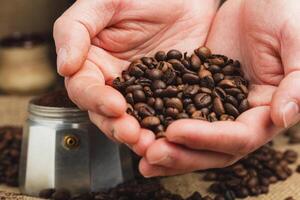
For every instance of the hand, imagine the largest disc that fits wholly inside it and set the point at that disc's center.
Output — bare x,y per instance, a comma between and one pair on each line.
96,40
264,36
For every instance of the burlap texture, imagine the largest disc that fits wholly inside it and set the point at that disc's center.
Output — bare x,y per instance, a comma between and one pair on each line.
13,111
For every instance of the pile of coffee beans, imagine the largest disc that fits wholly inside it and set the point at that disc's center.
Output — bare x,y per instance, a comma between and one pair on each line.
173,85
141,189
57,98
10,144
252,175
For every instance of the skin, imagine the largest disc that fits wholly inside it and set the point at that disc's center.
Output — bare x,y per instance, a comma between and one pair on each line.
262,34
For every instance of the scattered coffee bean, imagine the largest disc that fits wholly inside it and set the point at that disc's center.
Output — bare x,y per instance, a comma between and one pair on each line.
203,86
289,198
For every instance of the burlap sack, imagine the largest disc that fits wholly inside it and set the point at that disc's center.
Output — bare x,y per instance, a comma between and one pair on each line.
13,111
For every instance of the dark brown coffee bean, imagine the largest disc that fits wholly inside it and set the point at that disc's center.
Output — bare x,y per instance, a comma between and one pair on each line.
151,101
158,84
212,117
208,82
147,61
231,110
218,77
205,90
46,193
205,111
229,70
61,194
232,91
174,103
187,101
214,69
244,105
227,83
154,74
129,98
219,92
202,100
210,176
252,182
290,156
169,76
139,96
232,100
203,52
148,91
150,122
218,106
242,192
190,109
195,62
132,88
172,112
199,115
183,116
136,71
170,91
273,179
159,104
190,78
146,111
143,81
289,198
298,169
177,65
179,80
217,61
160,56
244,89
174,54
191,90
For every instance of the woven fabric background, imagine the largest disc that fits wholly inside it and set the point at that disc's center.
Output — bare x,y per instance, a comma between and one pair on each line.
13,111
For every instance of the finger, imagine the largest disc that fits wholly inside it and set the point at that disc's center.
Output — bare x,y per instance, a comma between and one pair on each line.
286,101
261,95
124,129
148,170
252,129
75,28
166,154
88,90
147,137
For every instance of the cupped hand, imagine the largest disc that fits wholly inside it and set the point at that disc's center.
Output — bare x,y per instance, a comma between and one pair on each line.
96,40
264,36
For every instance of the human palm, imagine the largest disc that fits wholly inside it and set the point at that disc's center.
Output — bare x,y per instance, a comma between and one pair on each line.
96,40
264,36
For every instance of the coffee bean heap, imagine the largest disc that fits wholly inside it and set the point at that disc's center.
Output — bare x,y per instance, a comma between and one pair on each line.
10,144
172,86
141,189
252,175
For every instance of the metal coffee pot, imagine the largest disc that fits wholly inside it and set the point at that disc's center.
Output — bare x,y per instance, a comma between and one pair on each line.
63,149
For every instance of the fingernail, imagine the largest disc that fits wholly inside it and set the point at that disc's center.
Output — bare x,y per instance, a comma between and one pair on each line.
62,56
290,114
163,160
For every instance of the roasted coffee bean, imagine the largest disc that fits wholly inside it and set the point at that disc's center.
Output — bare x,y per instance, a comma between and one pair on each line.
218,77
202,100
160,56
191,91
129,98
169,76
289,198
208,82
227,84
182,116
232,100
159,104
212,117
214,69
204,73
172,112
219,92
61,194
231,110
195,62
132,88
232,91
46,193
170,91
174,54
154,74
150,122
229,70
218,106
199,115
191,108
226,117
290,156
174,103
148,92
143,81
298,169
205,111
147,61
139,96
244,105
187,101
203,53
205,90
158,84
146,111
136,71
210,176
190,78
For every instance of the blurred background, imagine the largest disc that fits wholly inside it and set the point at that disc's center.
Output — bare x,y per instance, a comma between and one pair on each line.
27,51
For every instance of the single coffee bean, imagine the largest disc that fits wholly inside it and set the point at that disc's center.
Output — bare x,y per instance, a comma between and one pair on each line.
199,115
136,71
242,192
205,111
150,122
195,62
174,103
232,100
244,105
182,116
233,91
158,104
148,91
151,101
229,70
143,81
227,84
174,54
147,61
129,98
160,56
154,74
202,100
146,111
218,106
212,117
219,92
170,91
190,78
205,90
217,61
290,156
208,82
231,110
158,84
289,198
172,112
244,89
204,73
210,176
139,96
218,77
214,69
132,88
169,76
203,53
191,90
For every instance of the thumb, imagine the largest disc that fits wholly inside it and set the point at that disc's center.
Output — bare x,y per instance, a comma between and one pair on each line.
285,107
75,29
